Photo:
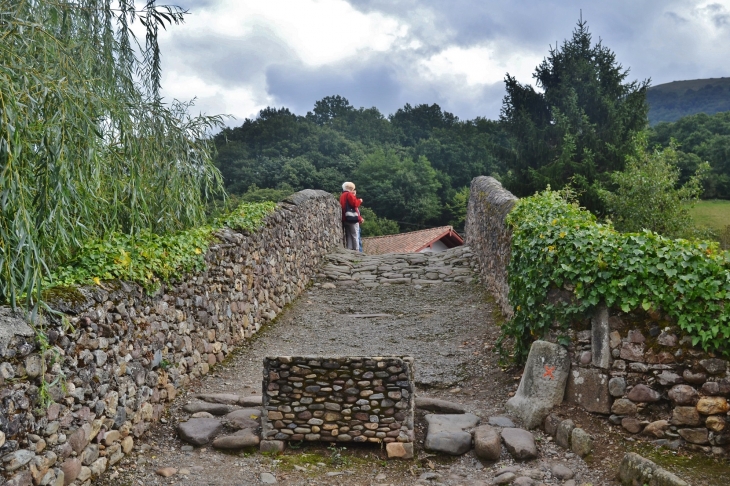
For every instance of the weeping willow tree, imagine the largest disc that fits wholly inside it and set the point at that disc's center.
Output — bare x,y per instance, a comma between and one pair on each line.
87,145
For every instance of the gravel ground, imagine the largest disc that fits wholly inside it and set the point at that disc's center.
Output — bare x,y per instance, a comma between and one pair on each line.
449,329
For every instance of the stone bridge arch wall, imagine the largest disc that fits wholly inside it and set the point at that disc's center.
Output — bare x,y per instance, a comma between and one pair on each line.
130,353
636,369
488,235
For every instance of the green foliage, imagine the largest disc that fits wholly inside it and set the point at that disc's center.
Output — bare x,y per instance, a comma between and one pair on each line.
398,187
329,145
246,217
724,238
87,146
417,123
559,247
701,138
373,225
257,194
148,258
580,125
647,196
671,101
456,208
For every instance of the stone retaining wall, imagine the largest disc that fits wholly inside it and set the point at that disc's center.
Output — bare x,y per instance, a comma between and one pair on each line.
488,235
347,399
128,353
655,385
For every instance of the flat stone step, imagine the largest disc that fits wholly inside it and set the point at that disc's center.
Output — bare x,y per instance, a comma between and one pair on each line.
520,443
224,398
439,406
211,408
240,440
447,433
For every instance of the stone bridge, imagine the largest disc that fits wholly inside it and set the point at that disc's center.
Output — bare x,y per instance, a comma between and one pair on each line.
428,306
166,389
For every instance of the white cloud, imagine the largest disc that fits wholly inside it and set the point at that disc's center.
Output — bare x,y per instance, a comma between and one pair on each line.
318,31
238,56
481,65
312,32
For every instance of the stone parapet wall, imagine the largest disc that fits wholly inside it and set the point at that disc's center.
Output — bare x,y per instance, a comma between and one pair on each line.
489,237
656,385
637,369
126,354
347,399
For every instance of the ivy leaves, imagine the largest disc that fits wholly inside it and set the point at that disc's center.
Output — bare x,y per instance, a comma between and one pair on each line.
559,248
150,259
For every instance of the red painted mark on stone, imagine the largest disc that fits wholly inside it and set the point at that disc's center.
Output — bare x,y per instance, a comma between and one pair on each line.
549,372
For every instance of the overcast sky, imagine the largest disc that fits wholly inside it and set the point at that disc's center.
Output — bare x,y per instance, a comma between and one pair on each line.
239,56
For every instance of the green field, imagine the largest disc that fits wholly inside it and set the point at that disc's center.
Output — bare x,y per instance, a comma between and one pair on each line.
713,213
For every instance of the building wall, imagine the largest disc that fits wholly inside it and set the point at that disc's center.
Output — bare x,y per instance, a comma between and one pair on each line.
436,246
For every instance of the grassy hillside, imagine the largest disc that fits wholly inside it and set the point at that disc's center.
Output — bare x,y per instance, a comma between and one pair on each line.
671,101
713,213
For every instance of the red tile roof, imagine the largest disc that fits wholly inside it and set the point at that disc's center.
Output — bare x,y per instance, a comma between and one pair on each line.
411,242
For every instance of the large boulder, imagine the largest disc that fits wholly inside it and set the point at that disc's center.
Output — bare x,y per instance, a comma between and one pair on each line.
520,444
589,388
199,431
543,383
447,433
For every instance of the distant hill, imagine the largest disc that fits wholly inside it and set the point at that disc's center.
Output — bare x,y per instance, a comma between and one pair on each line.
671,101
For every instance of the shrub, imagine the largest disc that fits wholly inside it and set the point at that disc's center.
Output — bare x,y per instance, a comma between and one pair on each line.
647,195
148,258
557,245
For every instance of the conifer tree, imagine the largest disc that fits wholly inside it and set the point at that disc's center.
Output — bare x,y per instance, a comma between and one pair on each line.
579,125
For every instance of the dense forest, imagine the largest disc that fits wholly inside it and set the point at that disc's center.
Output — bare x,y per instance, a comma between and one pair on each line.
412,167
579,126
671,101
701,138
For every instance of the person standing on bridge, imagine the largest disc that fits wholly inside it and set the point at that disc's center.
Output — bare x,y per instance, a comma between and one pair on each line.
350,216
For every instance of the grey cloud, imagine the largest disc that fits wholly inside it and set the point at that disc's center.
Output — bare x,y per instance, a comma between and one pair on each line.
679,19
378,81
526,23
230,60
299,86
642,34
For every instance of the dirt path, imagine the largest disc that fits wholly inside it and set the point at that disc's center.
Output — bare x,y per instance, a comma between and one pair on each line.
448,328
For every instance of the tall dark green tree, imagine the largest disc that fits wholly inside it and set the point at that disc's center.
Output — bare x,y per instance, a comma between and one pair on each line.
329,108
579,125
417,123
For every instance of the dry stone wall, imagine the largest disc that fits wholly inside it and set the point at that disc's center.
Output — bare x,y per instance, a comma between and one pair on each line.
636,369
656,386
488,235
346,399
126,354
